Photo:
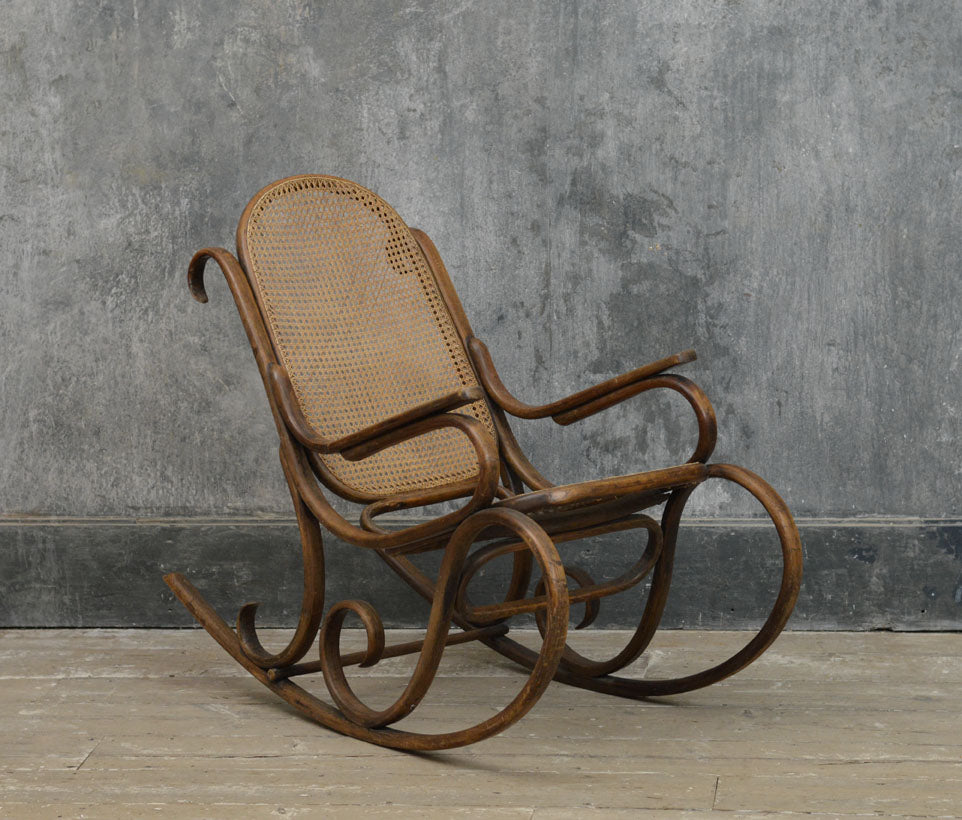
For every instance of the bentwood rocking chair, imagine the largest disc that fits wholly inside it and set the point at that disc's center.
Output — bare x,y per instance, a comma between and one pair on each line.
383,396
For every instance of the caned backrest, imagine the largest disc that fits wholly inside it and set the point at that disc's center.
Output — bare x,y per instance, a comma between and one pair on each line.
358,321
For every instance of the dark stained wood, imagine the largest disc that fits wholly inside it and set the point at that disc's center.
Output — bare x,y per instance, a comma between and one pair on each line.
588,592
510,508
352,446
507,402
369,658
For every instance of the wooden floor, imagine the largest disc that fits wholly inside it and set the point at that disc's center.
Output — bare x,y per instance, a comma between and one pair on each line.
130,724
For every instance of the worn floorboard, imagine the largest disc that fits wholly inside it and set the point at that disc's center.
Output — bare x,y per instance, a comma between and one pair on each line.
131,724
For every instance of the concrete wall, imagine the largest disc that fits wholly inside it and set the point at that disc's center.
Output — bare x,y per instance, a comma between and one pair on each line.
776,184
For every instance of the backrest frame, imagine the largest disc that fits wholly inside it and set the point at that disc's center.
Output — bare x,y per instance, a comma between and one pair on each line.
448,297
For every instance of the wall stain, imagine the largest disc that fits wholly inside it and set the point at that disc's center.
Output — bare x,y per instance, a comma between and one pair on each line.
867,555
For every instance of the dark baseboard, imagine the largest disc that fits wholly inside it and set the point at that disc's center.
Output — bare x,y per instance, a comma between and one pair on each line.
860,574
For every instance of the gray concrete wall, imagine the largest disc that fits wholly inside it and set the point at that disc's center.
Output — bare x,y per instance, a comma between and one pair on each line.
776,184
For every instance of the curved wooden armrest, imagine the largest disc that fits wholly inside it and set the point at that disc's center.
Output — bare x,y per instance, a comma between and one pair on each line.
350,445
564,411
481,488
693,394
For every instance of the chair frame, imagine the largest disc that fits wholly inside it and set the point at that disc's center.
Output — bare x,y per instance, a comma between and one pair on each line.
510,506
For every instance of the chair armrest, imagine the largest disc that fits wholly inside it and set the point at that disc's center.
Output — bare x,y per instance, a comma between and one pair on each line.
564,411
693,394
300,427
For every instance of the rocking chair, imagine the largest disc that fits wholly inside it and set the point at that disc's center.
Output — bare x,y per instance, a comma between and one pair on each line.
383,396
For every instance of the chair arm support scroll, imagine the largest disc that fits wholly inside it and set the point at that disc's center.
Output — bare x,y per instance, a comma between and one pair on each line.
693,394
560,410
481,489
593,400
351,444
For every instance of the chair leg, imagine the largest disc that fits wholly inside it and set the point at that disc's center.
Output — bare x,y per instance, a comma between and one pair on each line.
355,719
582,667
586,677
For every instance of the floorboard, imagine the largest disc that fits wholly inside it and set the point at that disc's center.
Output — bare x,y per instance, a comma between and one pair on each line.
150,723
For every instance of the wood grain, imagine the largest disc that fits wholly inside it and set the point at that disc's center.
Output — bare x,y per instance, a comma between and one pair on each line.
127,723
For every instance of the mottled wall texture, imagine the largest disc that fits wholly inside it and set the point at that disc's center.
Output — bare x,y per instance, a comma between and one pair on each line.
776,184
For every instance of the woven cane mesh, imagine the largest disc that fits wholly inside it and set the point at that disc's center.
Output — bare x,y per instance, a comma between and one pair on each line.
359,324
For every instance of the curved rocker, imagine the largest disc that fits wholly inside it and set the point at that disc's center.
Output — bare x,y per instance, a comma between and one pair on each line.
382,396
577,670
